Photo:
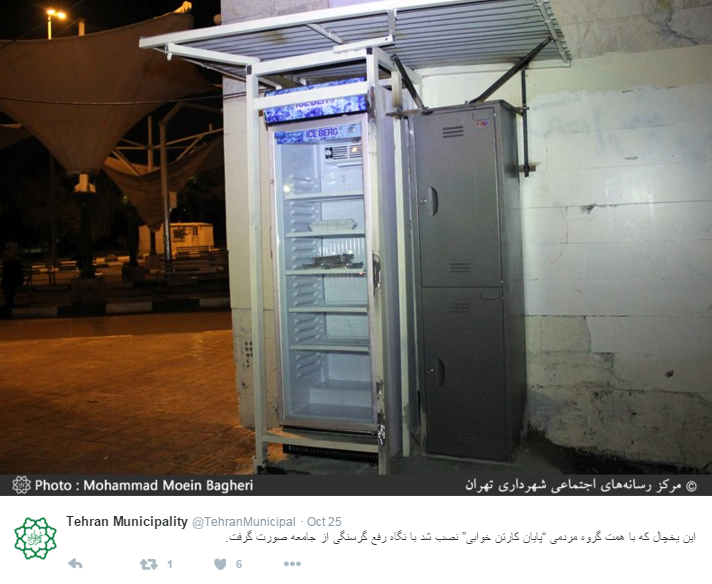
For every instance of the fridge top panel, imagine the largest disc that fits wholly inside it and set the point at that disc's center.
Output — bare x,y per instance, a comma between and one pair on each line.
316,109
320,134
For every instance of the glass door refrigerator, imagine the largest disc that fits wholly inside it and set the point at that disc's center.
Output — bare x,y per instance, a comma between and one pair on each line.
323,273
336,279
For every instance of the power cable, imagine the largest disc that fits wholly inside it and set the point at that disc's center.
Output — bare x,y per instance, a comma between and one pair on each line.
122,103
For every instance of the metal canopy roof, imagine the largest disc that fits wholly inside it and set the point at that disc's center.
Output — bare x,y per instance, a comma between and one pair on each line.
423,34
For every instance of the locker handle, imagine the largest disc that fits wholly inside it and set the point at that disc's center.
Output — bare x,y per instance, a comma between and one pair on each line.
434,201
440,373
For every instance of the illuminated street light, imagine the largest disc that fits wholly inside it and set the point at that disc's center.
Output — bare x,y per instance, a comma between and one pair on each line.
52,13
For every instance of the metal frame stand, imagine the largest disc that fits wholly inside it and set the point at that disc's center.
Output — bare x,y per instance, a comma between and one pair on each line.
375,61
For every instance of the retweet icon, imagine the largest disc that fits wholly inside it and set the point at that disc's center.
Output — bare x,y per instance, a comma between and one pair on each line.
35,538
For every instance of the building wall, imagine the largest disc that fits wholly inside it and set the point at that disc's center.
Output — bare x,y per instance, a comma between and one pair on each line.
617,226
617,243
239,11
195,234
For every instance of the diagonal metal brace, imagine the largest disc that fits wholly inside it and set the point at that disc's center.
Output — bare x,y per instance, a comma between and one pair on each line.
408,83
523,63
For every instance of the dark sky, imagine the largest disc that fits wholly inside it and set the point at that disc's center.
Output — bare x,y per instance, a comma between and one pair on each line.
27,19
23,17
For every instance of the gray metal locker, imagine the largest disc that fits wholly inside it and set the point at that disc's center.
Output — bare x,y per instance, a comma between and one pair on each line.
457,202
468,280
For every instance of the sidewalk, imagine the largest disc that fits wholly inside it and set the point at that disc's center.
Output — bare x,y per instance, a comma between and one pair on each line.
124,396
140,401
46,298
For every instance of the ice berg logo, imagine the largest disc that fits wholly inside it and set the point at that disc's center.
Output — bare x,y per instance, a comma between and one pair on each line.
21,485
35,538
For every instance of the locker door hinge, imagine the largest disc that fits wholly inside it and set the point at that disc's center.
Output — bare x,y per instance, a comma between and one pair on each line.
381,432
376,273
379,388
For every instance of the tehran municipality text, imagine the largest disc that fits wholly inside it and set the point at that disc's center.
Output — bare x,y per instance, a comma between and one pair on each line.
121,521
175,521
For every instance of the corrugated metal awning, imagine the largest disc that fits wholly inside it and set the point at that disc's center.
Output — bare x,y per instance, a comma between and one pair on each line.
423,34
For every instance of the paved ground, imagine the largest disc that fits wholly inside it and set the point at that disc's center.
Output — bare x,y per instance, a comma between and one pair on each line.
155,393
121,394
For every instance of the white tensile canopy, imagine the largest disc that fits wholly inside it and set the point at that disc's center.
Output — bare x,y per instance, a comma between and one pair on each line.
144,189
80,95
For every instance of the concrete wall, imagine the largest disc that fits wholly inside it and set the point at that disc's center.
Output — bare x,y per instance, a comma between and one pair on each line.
240,10
617,244
618,250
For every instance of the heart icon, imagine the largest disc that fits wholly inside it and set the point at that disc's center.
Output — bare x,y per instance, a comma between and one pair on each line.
220,564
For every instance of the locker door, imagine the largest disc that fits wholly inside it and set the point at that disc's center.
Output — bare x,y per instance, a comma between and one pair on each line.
464,372
457,199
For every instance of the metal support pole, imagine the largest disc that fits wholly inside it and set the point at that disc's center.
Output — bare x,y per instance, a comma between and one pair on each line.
525,126
133,236
378,302
87,259
52,213
150,147
408,83
167,251
163,131
254,203
397,79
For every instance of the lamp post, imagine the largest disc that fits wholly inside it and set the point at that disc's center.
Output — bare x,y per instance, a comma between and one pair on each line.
84,188
52,13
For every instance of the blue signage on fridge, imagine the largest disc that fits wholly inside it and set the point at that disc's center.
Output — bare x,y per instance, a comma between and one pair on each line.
316,109
313,135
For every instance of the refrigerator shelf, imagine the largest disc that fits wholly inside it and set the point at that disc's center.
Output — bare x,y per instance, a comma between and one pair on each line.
325,195
356,414
332,308
316,234
361,442
327,272
341,344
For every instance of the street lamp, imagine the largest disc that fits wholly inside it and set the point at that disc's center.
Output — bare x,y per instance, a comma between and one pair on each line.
52,13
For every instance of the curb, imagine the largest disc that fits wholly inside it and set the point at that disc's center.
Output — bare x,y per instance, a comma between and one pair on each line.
167,305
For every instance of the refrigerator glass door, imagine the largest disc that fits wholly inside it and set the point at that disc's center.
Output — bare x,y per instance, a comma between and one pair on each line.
322,281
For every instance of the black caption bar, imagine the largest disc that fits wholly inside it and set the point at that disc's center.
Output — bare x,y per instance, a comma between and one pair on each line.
400,485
